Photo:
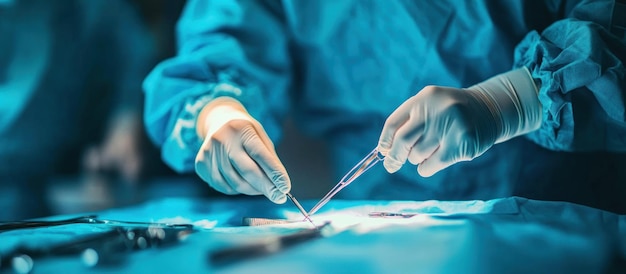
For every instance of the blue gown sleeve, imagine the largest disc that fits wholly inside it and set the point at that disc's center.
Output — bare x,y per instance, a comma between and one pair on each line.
225,48
579,62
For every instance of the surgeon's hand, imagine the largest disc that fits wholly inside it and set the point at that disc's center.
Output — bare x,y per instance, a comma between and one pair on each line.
441,126
237,156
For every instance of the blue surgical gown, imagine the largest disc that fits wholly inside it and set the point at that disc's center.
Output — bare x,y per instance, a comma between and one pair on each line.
341,67
65,66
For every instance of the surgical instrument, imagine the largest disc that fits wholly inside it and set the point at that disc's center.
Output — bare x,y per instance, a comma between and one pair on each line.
267,246
251,221
90,219
394,215
366,163
98,248
295,202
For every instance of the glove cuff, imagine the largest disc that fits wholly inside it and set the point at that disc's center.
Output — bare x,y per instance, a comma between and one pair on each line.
513,101
217,113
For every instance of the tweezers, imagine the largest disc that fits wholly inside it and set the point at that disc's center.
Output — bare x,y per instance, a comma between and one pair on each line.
366,163
299,206
90,219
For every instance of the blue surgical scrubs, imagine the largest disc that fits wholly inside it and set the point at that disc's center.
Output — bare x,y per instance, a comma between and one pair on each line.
341,67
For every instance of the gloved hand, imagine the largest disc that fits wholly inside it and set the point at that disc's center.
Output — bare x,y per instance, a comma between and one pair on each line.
237,156
441,126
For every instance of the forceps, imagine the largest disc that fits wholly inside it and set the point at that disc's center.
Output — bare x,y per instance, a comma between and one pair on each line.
366,163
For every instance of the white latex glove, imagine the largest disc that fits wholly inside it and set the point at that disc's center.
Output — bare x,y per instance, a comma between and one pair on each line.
441,126
237,156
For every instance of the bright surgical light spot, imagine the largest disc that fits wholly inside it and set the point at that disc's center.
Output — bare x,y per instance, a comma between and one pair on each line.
90,257
22,264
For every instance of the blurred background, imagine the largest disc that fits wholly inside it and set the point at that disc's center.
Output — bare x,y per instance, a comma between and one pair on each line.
71,133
